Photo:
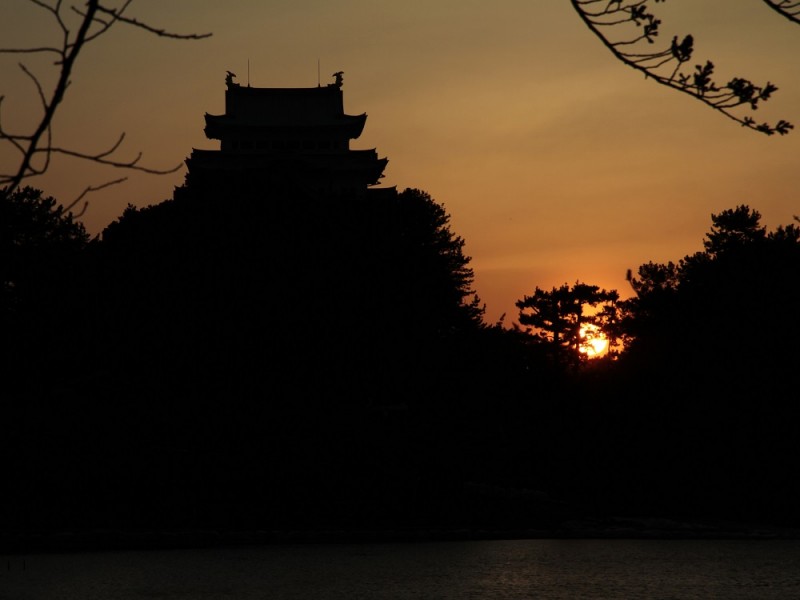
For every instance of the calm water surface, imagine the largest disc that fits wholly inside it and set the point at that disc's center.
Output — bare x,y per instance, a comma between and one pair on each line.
535,569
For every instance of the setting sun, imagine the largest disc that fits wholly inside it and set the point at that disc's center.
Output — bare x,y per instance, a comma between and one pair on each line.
594,343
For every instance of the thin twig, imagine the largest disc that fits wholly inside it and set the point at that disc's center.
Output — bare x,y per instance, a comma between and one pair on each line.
120,164
118,16
88,190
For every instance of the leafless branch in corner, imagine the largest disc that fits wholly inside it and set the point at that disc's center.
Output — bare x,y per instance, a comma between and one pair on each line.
788,8
35,148
628,29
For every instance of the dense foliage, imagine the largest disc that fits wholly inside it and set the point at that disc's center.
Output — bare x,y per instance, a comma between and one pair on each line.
706,389
722,315
38,239
242,358
241,353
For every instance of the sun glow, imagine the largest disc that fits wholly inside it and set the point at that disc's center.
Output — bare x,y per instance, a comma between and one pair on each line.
594,343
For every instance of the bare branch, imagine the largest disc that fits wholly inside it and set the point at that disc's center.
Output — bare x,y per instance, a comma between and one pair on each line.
88,190
47,7
30,50
58,95
117,16
637,25
101,159
12,139
104,25
36,83
788,8
95,20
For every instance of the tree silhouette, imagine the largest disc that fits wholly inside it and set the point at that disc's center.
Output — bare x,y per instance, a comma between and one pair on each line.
357,290
722,307
38,238
41,249
732,229
269,355
558,316
433,258
709,368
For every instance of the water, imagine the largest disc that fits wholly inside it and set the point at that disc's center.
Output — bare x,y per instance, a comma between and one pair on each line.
497,570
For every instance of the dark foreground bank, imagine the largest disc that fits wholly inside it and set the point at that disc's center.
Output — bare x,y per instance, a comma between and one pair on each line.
586,528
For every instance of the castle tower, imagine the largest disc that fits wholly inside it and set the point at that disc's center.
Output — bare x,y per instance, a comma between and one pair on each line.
298,137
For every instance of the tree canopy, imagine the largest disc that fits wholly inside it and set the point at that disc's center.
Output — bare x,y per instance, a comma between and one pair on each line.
559,316
722,307
38,238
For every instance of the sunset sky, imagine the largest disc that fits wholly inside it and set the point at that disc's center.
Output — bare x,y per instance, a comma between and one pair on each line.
556,162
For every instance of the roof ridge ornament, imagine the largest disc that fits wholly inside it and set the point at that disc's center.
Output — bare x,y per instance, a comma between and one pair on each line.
229,79
338,78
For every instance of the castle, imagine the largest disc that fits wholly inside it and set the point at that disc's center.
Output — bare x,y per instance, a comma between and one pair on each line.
293,137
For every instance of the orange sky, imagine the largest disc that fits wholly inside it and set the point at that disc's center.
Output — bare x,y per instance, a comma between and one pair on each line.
555,161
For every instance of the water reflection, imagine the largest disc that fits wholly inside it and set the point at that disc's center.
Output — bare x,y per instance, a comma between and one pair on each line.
514,569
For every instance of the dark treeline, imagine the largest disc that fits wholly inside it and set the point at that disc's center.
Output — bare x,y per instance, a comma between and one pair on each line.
246,359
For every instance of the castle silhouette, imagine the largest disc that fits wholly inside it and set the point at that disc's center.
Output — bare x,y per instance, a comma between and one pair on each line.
295,137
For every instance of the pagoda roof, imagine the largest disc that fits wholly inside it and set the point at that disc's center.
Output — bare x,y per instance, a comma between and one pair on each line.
297,133
285,106
269,125
364,164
